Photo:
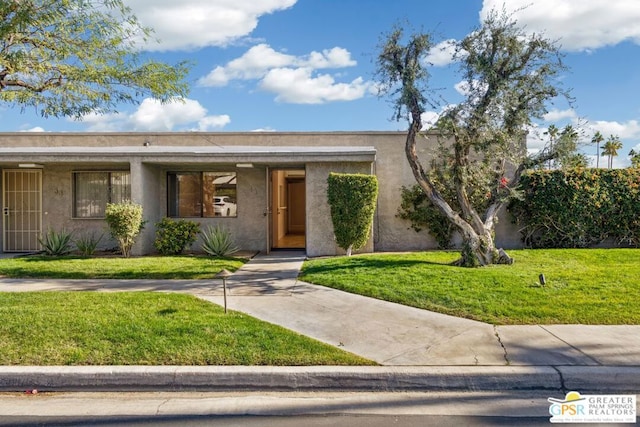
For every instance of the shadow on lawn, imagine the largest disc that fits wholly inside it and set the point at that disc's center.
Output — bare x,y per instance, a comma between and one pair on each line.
367,262
44,267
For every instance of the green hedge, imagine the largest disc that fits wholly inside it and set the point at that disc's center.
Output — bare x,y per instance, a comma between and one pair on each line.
418,209
352,198
579,208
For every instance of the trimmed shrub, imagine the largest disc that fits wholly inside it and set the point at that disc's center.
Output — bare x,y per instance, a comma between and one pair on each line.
352,198
173,237
217,241
56,243
125,223
579,208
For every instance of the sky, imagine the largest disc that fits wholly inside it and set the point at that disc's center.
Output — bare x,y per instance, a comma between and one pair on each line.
309,65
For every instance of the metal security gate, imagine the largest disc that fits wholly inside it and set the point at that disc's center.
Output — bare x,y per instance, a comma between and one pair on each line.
22,209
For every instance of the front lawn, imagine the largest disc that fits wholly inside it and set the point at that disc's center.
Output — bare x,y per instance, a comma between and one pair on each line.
583,286
148,267
140,328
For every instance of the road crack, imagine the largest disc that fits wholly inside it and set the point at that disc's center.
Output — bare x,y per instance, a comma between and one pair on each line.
504,349
158,409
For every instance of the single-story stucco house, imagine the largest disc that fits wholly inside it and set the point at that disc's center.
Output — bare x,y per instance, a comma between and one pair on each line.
267,188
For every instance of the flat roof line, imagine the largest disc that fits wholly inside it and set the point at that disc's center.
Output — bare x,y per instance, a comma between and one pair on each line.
158,150
67,133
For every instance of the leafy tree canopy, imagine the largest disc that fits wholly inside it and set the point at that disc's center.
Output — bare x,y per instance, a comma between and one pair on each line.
509,76
74,57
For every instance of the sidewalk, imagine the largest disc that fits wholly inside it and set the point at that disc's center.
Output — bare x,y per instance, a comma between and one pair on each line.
394,334
417,348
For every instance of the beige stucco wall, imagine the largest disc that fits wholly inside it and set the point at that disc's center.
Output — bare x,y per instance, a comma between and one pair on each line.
248,228
57,203
148,170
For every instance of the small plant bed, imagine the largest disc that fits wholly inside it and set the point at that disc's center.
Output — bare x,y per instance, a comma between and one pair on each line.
139,328
148,267
583,286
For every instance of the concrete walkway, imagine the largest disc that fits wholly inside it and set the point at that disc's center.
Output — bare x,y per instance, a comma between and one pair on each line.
391,334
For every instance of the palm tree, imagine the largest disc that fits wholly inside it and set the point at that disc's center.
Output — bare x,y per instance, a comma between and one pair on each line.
635,158
597,139
566,145
611,148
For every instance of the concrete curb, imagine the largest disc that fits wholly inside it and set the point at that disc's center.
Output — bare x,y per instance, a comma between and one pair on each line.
338,378
601,378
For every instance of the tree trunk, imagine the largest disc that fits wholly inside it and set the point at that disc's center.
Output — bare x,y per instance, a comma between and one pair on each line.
478,245
349,250
480,251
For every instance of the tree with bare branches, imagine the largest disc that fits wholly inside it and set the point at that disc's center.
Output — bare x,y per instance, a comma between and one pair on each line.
509,76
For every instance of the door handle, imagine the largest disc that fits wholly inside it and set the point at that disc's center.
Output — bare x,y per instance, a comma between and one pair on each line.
5,211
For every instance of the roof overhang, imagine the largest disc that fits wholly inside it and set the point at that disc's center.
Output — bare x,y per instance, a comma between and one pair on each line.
188,154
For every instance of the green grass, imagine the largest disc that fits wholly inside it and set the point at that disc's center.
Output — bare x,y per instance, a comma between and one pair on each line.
584,286
158,267
139,328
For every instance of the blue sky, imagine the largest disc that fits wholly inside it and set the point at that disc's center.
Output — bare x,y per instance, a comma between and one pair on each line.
308,65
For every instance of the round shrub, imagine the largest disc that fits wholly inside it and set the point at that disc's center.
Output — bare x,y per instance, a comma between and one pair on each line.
173,237
125,223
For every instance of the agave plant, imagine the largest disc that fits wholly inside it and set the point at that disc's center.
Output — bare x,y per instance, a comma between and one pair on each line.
217,241
87,243
56,243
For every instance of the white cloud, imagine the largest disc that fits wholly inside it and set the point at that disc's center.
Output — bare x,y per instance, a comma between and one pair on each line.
442,54
152,115
257,61
627,130
536,140
254,64
429,118
34,129
619,162
329,58
579,25
462,88
466,89
103,122
300,86
630,130
208,123
557,115
192,24
292,78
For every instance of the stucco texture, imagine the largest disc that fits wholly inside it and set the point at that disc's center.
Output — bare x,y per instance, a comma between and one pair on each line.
150,156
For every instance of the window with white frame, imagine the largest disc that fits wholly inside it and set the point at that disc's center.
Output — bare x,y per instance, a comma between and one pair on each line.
93,190
201,194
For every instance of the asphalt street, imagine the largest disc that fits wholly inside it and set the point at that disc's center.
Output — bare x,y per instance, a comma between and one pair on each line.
524,408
